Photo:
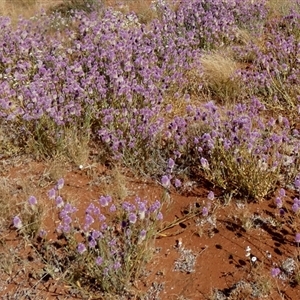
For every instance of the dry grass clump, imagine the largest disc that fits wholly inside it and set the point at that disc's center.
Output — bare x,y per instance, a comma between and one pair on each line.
280,8
7,207
142,8
218,76
24,8
66,7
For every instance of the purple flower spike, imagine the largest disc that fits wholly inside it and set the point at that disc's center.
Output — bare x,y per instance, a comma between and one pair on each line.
32,201
112,208
104,200
90,208
278,202
60,184
204,163
159,216
142,235
128,206
165,181
42,233
142,210
17,222
92,243
211,196
89,220
171,164
295,207
51,194
132,218
117,265
59,202
297,183
275,272
282,193
177,183
297,238
81,248
154,207
204,211
99,261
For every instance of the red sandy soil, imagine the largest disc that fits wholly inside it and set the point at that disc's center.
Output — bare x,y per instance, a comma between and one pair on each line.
219,250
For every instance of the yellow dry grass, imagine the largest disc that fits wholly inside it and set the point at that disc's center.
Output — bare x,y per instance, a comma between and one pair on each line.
218,70
24,8
279,8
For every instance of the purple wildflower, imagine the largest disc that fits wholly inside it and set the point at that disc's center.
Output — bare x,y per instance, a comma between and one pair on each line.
59,202
278,202
211,196
204,211
51,194
90,208
117,265
275,272
297,183
42,233
103,226
177,183
96,234
128,206
142,235
154,207
165,181
32,201
92,243
142,210
282,193
171,164
99,260
297,238
295,207
101,218
132,218
69,208
104,200
112,208
17,222
105,271
81,248
159,216
89,220
204,163
60,184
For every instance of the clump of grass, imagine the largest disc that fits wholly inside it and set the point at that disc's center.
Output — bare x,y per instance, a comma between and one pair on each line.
76,145
145,10
281,8
117,187
68,7
218,70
